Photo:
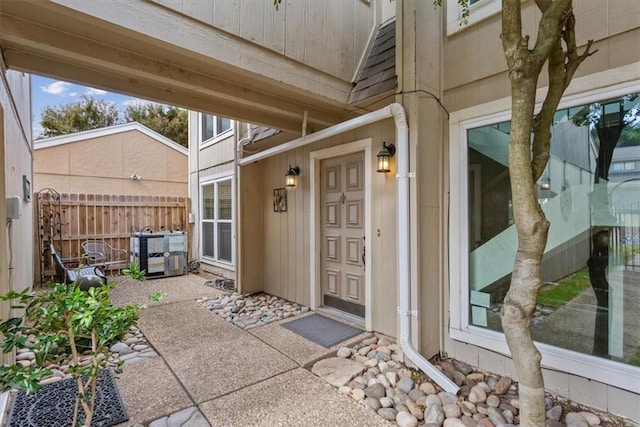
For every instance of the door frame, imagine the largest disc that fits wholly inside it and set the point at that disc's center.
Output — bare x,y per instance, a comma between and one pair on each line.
315,157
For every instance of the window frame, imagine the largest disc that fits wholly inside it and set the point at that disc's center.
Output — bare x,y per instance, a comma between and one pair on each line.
479,11
217,136
215,181
616,374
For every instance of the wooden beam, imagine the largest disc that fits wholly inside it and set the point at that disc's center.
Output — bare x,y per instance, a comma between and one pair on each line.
24,37
191,99
187,34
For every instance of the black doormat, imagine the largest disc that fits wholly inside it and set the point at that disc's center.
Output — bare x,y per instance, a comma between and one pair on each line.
52,405
322,330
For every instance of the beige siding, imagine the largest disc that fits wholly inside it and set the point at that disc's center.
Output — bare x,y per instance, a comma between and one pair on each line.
206,162
252,229
103,165
474,66
329,35
16,247
218,154
280,242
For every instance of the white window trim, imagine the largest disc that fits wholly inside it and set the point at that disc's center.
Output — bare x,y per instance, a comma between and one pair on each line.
216,138
616,374
213,179
478,12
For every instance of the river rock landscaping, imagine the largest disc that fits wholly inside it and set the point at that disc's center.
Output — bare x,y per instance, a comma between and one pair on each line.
373,375
132,348
251,311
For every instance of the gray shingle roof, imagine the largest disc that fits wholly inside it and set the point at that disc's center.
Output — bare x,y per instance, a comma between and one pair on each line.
378,74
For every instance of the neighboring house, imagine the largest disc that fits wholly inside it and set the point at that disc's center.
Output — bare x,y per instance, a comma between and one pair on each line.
421,251
126,159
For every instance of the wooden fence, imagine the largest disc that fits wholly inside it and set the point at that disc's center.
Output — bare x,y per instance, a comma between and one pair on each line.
112,219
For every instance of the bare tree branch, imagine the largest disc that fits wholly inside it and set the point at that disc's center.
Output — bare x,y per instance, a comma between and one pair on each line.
511,32
549,30
562,66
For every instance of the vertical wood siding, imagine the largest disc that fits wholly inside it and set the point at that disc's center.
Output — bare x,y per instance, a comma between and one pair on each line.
329,35
276,246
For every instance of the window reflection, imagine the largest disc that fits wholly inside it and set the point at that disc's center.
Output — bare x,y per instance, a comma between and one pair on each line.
590,192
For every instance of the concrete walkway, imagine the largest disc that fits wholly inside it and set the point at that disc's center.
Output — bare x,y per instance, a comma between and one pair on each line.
211,373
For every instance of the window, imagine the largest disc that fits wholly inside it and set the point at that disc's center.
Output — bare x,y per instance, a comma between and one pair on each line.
590,299
212,127
479,10
217,219
623,166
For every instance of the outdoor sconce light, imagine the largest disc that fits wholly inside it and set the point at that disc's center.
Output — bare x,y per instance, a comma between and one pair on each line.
384,156
291,176
546,184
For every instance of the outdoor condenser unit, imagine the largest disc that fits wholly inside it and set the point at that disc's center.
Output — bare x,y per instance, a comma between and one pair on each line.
160,254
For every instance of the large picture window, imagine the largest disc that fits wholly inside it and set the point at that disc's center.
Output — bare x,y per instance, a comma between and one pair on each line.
217,218
212,127
590,193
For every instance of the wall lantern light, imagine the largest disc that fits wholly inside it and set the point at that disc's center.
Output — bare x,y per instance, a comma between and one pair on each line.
384,156
546,184
291,176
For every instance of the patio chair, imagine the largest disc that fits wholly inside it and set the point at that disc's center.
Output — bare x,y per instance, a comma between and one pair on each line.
97,251
73,271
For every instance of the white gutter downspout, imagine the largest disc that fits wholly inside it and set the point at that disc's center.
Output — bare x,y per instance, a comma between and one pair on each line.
244,141
404,253
396,111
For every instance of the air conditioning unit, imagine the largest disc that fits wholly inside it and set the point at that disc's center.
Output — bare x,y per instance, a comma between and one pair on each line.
160,254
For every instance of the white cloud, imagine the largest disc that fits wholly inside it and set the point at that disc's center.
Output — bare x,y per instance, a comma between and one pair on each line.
94,91
73,94
56,88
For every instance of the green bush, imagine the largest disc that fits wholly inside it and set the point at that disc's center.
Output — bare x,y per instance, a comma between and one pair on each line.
67,323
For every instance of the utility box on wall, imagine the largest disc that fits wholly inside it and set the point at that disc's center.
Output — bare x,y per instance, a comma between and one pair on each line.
160,254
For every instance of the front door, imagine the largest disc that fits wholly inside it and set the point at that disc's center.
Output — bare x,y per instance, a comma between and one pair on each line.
342,233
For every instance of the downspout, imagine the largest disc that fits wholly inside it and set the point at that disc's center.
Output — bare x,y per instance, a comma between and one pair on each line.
404,253
238,198
396,111
244,141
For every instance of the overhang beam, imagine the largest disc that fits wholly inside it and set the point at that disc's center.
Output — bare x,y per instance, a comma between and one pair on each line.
125,46
191,99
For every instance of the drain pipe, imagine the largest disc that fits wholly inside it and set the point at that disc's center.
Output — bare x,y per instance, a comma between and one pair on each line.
244,141
396,111
404,253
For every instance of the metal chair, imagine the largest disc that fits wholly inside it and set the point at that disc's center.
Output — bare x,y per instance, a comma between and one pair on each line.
97,251
73,271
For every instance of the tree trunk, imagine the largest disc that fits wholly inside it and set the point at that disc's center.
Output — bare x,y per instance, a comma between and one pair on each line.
532,227
527,159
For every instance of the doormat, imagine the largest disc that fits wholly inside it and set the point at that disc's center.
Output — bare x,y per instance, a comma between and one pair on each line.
52,405
322,330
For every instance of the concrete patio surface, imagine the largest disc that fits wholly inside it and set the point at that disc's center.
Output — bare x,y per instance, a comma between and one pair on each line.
207,354
295,398
234,377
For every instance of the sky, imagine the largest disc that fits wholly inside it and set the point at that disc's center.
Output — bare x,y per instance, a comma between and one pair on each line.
49,92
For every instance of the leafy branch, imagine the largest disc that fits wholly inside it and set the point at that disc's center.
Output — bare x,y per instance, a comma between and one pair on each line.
68,324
